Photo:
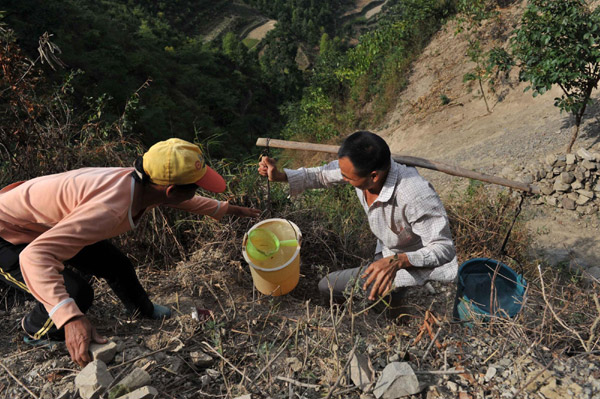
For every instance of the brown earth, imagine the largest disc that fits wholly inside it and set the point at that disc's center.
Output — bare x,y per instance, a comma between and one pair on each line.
520,129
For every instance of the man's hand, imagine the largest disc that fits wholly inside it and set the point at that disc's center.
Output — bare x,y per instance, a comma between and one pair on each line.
242,211
381,274
266,167
79,332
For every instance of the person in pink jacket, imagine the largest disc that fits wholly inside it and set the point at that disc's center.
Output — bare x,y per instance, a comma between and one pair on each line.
66,218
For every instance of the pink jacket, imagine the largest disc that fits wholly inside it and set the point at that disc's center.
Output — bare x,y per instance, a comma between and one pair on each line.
60,214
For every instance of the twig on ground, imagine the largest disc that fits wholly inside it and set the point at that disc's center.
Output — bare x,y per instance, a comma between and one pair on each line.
18,381
282,348
556,317
213,350
297,383
333,388
440,372
433,341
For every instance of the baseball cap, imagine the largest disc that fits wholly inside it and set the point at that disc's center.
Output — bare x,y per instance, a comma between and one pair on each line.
176,161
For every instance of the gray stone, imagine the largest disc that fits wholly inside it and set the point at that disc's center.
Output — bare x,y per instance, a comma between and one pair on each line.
561,161
573,196
586,193
105,352
93,380
201,359
551,159
397,380
146,392
582,200
589,165
452,386
546,189
249,396
569,204
491,372
205,381
570,159
551,201
527,179
560,186
576,185
361,372
134,380
585,154
175,364
591,209
567,177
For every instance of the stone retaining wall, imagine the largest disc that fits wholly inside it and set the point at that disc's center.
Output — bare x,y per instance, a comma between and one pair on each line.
569,181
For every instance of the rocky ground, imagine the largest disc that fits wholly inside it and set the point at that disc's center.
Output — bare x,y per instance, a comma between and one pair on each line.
226,340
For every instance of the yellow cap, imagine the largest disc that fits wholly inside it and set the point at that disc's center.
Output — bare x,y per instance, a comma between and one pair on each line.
176,161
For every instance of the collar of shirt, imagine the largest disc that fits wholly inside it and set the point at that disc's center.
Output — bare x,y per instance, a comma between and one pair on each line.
387,191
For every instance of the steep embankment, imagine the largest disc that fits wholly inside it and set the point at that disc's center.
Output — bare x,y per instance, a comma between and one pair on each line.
519,129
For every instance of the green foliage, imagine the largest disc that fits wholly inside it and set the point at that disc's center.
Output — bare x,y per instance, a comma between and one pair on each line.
471,13
371,71
312,114
557,43
194,88
445,99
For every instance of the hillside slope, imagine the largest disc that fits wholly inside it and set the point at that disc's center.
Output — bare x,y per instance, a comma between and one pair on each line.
519,129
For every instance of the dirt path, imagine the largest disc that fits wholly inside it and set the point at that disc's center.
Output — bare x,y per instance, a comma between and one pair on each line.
520,129
260,32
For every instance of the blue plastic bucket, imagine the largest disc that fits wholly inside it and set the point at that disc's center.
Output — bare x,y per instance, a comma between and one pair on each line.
474,290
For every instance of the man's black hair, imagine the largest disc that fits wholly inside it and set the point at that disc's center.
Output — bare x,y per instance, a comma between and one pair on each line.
367,151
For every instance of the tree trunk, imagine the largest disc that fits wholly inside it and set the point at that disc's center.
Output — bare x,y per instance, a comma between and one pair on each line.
483,94
578,118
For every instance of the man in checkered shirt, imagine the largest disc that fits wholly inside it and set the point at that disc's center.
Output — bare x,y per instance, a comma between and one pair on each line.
414,243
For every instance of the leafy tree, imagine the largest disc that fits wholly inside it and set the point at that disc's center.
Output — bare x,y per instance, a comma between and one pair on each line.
558,43
471,13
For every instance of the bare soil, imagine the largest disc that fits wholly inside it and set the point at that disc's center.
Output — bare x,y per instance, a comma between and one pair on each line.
260,32
521,128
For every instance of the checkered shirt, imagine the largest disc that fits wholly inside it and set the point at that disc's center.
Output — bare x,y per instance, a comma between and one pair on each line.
407,217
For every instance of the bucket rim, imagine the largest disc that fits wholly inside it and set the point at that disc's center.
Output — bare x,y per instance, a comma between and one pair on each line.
257,225
519,279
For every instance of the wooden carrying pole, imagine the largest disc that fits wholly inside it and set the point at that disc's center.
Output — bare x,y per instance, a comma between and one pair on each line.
406,160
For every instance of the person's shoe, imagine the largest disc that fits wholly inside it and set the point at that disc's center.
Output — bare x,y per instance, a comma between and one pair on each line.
160,312
41,343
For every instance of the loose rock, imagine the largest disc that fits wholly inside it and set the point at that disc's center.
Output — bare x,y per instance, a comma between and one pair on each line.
93,380
397,380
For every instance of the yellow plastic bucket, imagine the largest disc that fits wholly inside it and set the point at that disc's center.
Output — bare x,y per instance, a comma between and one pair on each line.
279,273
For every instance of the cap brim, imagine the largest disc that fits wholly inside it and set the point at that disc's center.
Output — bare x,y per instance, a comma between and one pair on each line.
212,181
